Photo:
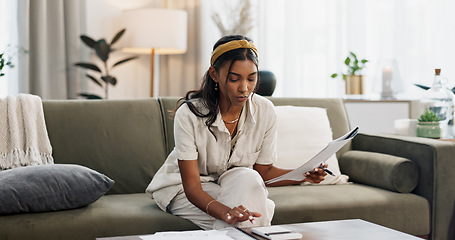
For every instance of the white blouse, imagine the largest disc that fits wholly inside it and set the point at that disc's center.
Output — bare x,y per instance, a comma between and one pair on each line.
256,144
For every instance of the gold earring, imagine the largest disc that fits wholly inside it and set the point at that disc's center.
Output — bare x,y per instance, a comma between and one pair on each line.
216,86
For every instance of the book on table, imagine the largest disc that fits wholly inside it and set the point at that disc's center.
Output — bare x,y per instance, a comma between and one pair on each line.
276,233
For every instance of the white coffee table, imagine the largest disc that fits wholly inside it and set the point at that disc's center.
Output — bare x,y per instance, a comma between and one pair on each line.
351,229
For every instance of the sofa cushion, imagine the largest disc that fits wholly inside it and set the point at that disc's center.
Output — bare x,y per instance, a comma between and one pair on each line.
335,111
302,133
381,170
405,212
50,187
112,215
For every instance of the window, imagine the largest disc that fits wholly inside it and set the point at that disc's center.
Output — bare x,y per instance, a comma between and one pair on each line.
304,41
8,44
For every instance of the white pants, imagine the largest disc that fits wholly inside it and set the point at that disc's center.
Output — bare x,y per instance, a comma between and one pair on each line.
237,186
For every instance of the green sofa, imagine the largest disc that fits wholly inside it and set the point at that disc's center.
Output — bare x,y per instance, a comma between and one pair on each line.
128,140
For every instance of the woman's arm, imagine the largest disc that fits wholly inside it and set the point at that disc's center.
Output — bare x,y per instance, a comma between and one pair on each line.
268,172
189,172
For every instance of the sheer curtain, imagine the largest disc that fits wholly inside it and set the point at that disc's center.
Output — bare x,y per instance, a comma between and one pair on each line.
49,29
8,44
181,73
304,41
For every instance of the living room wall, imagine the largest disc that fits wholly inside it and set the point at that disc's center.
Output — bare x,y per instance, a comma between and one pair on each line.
103,20
313,44
316,39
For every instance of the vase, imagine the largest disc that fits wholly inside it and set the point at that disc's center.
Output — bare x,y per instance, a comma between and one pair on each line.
438,99
387,80
354,85
267,83
429,130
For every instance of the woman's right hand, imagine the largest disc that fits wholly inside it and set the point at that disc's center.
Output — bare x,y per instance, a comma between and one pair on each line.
240,214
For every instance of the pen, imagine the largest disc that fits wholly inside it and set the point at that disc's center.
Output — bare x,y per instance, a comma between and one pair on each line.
327,171
272,233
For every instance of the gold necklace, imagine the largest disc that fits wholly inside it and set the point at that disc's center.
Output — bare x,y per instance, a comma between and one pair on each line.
231,122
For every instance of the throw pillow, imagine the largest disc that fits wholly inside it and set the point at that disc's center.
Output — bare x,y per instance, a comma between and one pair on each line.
381,170
302,133
50,187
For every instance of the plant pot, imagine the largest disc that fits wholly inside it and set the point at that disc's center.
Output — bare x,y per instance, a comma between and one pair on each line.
354,84
429,130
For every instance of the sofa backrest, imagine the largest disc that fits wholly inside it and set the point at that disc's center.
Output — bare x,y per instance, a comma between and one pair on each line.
129,140
335,110
123,139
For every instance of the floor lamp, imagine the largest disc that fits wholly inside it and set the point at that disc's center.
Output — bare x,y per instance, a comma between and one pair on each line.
155,31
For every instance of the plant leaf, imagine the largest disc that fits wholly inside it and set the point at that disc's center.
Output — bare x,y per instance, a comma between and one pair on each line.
88,41
364,61
106,79
334,75
109,79
124,60
94,79
102,50
347,61
355,56
118,36
88,66
114,81
422,86
90,96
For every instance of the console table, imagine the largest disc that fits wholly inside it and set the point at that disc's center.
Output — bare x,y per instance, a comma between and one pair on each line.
378,116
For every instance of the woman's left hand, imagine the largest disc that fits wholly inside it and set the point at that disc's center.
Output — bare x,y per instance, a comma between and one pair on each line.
317,175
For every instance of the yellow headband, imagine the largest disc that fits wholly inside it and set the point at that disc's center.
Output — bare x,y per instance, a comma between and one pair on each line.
231,46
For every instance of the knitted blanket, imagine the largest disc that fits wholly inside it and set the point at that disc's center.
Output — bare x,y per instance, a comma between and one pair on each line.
23,134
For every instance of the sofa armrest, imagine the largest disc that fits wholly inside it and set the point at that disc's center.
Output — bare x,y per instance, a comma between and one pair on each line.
435,160
380,170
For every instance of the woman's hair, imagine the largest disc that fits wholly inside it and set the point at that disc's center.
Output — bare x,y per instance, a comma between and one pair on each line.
207,93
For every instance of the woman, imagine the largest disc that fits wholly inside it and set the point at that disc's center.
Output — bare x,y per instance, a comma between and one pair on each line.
225,146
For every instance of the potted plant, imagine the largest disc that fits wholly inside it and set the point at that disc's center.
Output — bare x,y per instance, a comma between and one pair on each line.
102,50
354,81
5,61
428,125
6,58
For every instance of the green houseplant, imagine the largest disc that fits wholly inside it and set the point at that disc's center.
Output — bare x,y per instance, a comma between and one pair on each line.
428,125
5,61
6,58
354,81
429,116
103,51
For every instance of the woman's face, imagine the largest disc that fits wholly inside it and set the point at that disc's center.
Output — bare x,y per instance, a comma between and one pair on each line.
241,80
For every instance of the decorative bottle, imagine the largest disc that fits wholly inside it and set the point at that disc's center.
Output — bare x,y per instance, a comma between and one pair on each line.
439,99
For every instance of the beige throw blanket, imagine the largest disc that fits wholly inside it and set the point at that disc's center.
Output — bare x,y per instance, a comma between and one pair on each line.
23,134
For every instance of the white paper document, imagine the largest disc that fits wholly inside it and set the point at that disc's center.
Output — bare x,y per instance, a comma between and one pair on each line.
222,234
331,148
188,235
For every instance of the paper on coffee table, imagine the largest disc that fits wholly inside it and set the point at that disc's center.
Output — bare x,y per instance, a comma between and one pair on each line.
189,235
331,148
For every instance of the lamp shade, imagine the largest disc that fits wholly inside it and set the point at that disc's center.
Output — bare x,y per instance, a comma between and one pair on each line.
163,30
